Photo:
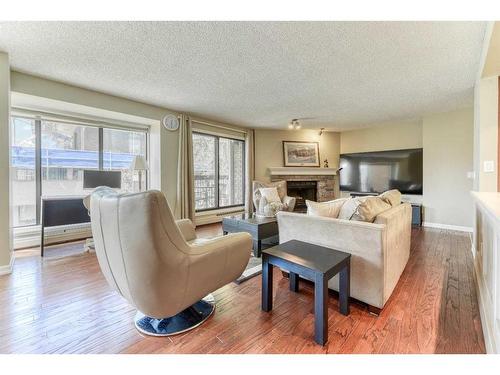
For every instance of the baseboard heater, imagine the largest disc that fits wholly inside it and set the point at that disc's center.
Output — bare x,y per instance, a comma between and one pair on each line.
30,236
215,217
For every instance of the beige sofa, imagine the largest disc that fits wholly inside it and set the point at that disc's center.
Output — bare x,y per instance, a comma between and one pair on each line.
380,250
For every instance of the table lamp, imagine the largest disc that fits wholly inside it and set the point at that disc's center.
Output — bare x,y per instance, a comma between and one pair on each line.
139,164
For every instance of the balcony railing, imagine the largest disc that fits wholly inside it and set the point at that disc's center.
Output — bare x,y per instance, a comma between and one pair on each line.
205,192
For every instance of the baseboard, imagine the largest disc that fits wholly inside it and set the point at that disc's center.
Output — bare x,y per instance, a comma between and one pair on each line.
447,226
5,270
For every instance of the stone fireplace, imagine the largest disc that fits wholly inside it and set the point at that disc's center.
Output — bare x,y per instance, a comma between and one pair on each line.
316,184
302,191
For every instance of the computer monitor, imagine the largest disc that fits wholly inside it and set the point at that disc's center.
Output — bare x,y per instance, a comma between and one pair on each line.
93,179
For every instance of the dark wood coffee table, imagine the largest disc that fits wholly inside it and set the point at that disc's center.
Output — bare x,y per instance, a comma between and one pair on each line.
316,263
259,228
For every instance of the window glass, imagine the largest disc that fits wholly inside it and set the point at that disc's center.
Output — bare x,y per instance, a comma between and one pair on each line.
231,167
219,166
23,174
119,149
204,147
67,150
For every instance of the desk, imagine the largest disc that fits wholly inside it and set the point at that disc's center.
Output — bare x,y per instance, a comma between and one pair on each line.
58,211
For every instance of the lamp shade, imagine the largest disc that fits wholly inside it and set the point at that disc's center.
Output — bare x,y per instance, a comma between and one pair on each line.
138,163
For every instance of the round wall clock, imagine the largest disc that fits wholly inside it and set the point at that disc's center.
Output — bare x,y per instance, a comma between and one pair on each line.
170,122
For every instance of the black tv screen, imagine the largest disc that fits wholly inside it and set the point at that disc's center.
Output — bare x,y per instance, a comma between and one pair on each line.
376,172
93,179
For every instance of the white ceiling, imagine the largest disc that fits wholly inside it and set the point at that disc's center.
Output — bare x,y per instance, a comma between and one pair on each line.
262,74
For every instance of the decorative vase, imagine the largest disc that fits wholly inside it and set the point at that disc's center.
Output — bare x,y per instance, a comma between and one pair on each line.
271,209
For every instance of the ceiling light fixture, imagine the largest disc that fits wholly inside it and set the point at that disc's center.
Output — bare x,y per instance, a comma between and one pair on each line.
321,131
294,124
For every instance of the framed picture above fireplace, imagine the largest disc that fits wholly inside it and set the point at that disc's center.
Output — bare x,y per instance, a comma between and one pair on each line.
300,154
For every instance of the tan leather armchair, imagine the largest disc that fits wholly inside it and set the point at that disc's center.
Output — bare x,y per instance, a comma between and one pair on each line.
260,202
157,264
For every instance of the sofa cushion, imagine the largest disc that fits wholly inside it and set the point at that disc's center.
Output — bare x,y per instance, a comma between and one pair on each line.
370,208
393,197
349,207
325,209
270,194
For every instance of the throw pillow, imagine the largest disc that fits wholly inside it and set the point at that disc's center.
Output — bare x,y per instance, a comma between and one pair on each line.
349,207
370,208
280,185
325,209
271,194
393,197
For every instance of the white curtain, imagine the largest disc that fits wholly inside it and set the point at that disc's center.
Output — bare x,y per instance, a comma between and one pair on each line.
249,170
184,207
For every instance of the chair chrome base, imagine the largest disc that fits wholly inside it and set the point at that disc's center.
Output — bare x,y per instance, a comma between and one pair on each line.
184,321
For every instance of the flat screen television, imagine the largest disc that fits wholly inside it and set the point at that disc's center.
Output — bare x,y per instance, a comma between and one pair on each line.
376,172
93,179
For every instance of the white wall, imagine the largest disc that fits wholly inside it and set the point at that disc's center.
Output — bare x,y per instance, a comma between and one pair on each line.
448,156
5,230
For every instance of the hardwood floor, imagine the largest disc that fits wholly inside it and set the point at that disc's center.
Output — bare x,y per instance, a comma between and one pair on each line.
65,306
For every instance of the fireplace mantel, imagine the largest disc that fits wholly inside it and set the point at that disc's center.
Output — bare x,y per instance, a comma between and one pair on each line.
302,171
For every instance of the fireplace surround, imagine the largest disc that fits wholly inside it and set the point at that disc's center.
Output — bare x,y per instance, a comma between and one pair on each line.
322,178
302,191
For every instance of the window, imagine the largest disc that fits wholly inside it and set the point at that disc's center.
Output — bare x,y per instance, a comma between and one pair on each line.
231,171
23,171
48,158
67,150
204,151
119,149
219,166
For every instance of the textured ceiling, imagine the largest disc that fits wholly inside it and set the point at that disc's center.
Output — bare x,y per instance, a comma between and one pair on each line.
262,74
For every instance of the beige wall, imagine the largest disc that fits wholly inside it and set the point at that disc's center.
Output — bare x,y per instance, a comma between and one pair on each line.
390,136
486,132
448,156
269,148
492,61
164,144
447,140
5,231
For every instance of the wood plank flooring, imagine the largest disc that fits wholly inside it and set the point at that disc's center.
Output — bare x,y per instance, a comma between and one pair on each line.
63,305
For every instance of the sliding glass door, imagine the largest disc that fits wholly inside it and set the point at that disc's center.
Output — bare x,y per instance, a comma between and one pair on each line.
219,166
231,172
205,171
